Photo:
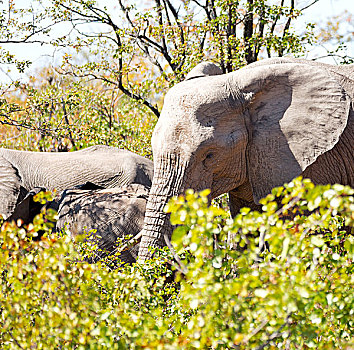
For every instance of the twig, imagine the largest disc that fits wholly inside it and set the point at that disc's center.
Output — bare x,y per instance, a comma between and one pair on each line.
306,7
15,341
131,243
67,122
182,268
257,330
275,334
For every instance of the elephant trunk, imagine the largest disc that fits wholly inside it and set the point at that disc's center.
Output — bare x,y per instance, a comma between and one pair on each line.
169,180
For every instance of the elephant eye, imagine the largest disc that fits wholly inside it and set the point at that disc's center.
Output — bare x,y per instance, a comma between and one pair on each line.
207,158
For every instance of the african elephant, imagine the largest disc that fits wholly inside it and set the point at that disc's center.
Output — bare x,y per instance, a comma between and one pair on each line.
248,131
113,212
105,166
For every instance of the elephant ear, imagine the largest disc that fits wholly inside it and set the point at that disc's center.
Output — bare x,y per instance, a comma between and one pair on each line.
296,113
10,184
204,69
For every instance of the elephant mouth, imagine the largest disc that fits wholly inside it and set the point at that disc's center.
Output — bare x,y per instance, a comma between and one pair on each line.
221,186
217,186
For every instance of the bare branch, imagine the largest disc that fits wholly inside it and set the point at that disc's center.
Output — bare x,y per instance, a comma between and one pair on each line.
248,32
161,24
181,267
306,7
73,10
178,22
272,29
12,122
14,339
200,5
287,26
126,12
26,40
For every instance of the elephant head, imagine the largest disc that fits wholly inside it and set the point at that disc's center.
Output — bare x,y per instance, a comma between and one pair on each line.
257,127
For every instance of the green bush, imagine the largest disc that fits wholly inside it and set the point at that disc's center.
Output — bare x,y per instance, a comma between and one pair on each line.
296,295
71,115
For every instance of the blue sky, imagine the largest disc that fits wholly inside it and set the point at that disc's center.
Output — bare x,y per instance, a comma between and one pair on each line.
43,55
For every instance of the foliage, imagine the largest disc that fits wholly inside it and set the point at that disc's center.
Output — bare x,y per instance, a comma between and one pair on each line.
283,297
58,113
223,291
50,298
142,49
116,62
296,295
339,32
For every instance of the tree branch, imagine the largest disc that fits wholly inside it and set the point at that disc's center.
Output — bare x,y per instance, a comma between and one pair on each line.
67,122
248,32
120,86
258,45
287,26
271,32
306,7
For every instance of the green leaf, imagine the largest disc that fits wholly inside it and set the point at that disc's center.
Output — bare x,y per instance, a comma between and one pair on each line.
317,241
179,233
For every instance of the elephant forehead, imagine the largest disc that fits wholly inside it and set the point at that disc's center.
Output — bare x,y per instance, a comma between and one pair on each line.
191,95
190,115
179,135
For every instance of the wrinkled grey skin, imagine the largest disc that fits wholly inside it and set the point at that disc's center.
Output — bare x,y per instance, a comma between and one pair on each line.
249,131
113,212
105,166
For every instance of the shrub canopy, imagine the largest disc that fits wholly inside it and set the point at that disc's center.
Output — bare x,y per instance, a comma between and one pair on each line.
296,295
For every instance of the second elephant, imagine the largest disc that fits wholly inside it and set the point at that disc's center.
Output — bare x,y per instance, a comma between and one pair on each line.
104,166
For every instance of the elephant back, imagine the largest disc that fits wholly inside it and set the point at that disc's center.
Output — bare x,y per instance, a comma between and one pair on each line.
104,166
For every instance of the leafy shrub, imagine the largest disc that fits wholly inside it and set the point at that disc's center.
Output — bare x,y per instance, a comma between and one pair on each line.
299,295
69,114
296,295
